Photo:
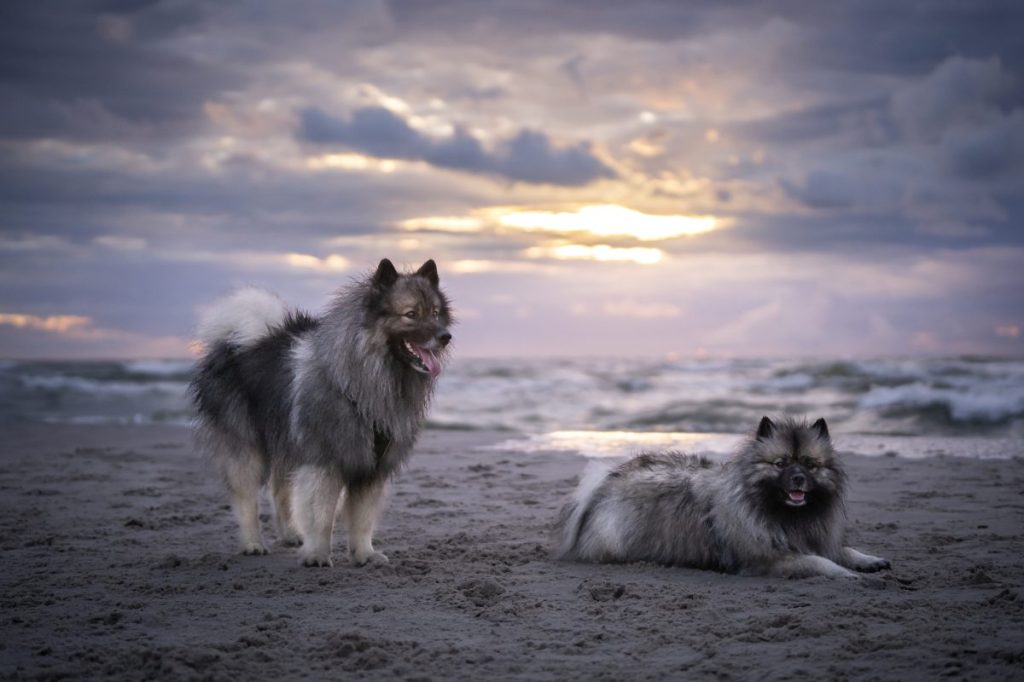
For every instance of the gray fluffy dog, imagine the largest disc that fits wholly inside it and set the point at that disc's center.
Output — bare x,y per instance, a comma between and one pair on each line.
313,406
775,508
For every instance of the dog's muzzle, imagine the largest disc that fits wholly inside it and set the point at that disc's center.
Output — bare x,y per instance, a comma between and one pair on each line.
796,483
426,357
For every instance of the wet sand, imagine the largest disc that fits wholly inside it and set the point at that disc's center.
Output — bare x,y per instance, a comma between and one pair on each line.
118,561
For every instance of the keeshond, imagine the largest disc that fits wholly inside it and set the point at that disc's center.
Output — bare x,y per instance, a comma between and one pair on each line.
314,406
775,509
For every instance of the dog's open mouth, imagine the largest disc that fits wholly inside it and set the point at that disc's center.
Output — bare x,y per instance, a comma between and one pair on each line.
796,498
422,359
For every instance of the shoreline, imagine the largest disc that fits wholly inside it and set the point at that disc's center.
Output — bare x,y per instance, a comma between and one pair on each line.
119,562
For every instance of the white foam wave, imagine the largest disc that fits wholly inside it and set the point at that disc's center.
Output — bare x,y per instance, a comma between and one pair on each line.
993,402
158,367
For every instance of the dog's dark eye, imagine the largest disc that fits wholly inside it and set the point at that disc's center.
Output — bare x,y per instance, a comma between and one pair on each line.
778,464
812,466
412,314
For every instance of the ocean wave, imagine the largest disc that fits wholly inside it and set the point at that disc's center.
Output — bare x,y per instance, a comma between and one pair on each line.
993,404
947,395
850,376
158,368
100,387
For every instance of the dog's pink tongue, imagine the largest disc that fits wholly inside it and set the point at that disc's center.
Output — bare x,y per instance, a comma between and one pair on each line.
796,495
428,359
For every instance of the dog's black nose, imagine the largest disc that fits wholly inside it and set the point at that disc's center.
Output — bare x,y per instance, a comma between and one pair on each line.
798,479
444,338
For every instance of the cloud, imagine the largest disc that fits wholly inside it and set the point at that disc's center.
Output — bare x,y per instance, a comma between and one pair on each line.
154,154
877,37
866,118
37,336
78,72
640,309
958,92
74,325
871,181
528,156
986,152
602,253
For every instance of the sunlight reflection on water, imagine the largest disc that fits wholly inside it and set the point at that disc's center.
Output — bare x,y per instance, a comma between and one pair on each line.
624,443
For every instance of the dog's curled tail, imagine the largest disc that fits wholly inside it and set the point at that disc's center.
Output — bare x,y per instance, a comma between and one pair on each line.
575,513
241,318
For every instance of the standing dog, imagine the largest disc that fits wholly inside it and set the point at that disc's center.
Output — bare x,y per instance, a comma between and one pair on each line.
313,406
775,509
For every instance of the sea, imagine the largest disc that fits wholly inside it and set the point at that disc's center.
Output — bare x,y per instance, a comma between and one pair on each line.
606,405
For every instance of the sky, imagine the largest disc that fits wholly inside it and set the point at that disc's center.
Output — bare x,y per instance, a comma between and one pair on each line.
648,178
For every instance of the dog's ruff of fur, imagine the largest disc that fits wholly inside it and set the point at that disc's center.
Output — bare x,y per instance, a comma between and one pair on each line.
775,508
318,406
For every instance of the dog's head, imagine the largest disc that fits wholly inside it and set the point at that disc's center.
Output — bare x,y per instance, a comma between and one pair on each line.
791,468
413,314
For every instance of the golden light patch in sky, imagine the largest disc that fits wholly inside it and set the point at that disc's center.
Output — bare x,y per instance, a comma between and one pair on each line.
645,147
607,220
474,266
627,308
443,224
61,324
601,252
333,262
349,161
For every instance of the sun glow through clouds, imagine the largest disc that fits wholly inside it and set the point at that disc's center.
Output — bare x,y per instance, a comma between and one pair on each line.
306,261
351,162
60,324
443,224
601,252
607,220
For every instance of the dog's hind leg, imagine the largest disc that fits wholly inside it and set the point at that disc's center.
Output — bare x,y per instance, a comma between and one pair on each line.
243,473
281,486
363,504
315,493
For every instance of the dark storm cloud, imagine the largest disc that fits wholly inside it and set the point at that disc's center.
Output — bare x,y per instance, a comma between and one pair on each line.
988,152
278,209
957,92
652,20
903,37
819,122
851,133
867,35
99,70
529,156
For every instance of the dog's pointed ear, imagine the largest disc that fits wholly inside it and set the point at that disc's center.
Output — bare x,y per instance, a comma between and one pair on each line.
765,428
429,270
386,275
822,428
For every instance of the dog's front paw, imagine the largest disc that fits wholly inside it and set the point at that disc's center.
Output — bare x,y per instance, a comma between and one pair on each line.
291,540
859,561
254,549
317,561
372,558
873,564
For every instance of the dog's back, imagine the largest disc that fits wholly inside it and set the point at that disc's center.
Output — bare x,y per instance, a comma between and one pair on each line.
651,508
242,385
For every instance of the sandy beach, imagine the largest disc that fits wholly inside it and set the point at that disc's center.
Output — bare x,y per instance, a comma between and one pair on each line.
119,561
